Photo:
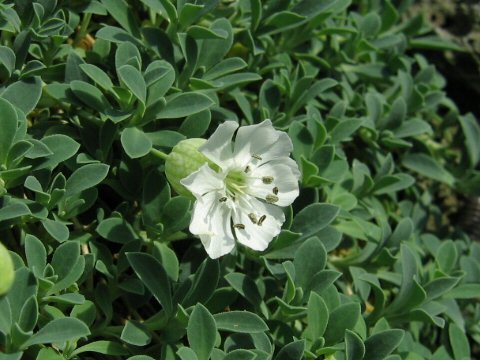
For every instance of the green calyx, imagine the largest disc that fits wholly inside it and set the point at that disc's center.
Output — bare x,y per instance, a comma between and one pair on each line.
184,160
7,272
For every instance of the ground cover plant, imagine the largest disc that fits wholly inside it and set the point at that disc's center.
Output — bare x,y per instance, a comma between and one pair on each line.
370,261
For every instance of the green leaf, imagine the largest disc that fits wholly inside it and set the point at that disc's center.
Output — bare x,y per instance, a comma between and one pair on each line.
292,351
135,142
62,147
7,59
354,347
380,345
240,322
317,316
154,277
135,333
105,347
36,254
212,50
29,314
471,130
85,178
447,256
201,332
240,354
184,104
185,353
15,93
200,32
464,291
427,166
56,229
196,125
8,124
391,183
116,230
314,218
344,129
245,286
121,12
459,342
310,258
134,81
68,265
342,318
97,75
58,331
225,67
168,259
440,286
12,211
24,286
434,43
90,96
204,283
411,293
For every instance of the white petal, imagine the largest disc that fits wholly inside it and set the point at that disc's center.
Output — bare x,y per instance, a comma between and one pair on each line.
219,147
211,222
285,182
203,181
257,237
261,140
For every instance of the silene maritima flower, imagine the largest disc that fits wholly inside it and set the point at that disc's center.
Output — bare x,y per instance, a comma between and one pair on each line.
241,199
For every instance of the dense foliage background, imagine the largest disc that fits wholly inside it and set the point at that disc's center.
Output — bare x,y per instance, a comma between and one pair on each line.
373,262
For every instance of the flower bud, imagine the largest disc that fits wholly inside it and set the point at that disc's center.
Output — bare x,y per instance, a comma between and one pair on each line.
183,160
7,272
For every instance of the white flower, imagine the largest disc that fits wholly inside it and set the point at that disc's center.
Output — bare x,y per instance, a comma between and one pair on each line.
242,199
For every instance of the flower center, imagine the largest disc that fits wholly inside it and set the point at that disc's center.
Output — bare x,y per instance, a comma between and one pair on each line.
236,182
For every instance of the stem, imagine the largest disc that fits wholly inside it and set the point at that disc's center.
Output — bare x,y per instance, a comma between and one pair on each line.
158,153
83,28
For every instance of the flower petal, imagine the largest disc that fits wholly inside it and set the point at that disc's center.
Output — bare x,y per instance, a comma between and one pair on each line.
203,181
268,223
218,147
261,140
283,185
211,222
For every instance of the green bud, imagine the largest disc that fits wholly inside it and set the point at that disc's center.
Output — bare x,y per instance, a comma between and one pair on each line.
183,160
7,272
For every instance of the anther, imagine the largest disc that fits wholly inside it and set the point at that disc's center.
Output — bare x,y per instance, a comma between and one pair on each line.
275,190
271,199
261,220
267,179
223,199
239,226
252,217
257,157
247,169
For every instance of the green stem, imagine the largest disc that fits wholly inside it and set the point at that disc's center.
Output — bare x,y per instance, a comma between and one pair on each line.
158,153
83,28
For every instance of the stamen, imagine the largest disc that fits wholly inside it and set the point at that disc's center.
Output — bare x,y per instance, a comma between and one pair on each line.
256,157
247,169
267,179
252,217
275,190
223,199
261,220
271,199
239,226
